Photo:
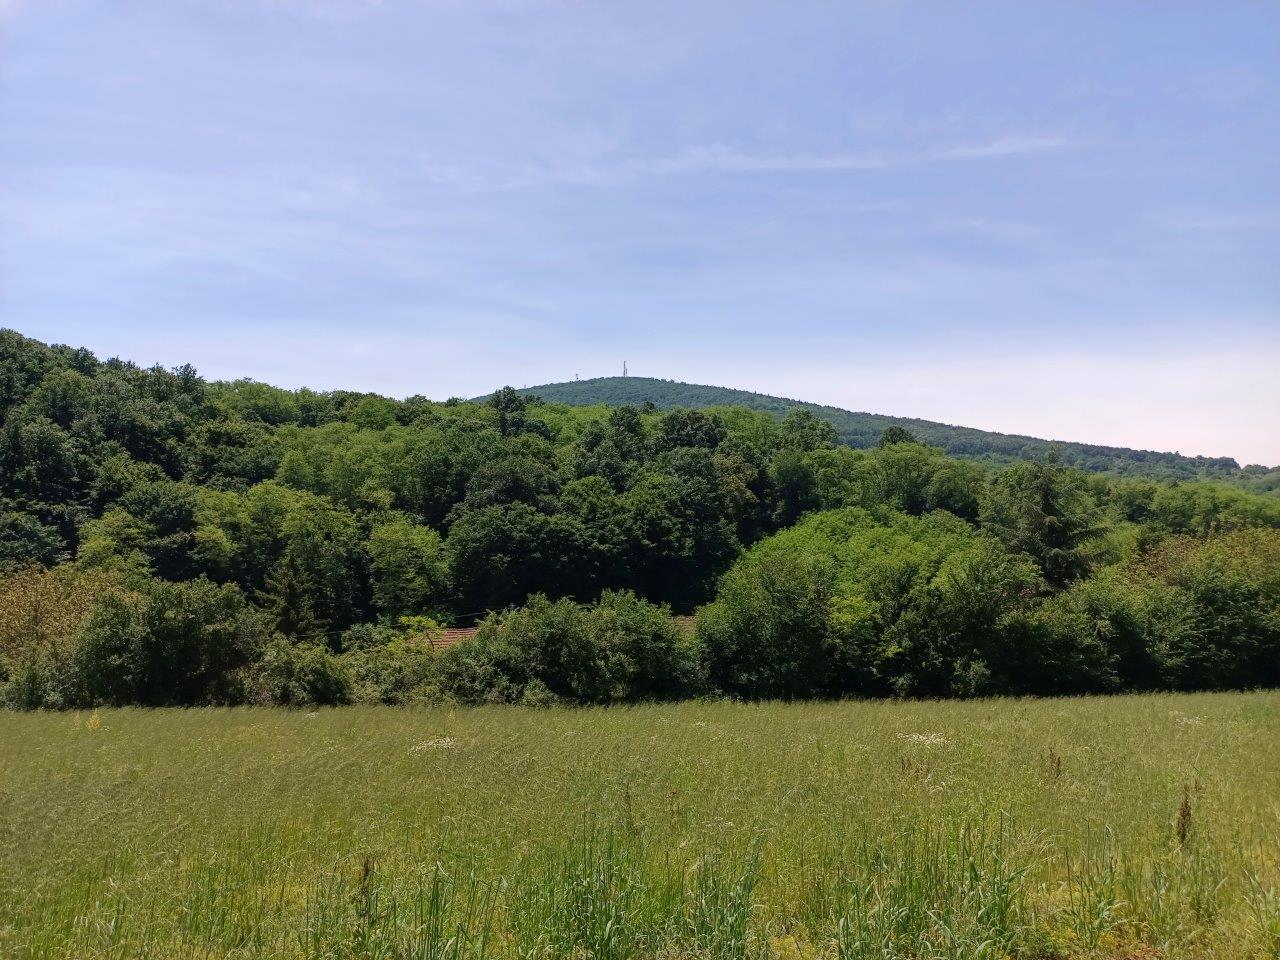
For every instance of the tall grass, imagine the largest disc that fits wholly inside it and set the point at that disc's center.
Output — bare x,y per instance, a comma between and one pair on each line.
1136,827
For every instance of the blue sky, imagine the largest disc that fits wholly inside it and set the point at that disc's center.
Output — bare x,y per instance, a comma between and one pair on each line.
1060,219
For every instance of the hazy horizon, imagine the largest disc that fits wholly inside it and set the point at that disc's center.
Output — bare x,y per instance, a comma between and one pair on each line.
1060,220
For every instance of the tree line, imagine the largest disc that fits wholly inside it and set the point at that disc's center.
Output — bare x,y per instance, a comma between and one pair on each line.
169,540
862,430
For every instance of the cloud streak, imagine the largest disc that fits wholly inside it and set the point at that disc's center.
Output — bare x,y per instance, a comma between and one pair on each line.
720,159
723,160
1004,147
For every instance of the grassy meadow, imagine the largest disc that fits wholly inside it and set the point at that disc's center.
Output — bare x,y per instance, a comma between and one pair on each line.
1135,827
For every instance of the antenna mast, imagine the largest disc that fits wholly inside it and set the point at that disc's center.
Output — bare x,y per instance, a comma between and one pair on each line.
624,368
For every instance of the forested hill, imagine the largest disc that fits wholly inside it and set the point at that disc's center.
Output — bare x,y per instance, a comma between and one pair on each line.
859,429
167,540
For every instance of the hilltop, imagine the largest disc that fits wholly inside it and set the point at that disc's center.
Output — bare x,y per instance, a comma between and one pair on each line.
861,429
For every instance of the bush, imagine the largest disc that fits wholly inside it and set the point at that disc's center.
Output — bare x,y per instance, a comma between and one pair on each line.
167,644
1085,640
855,602
645,655
298,674
1228,588
620,649
73,637
38,678
1190,615
543,641
42,613
392,666
768,634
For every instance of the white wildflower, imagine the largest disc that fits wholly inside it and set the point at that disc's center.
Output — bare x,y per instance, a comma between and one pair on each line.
440,743
925,739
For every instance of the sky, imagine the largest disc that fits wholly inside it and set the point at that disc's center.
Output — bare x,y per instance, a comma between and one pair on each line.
1057,219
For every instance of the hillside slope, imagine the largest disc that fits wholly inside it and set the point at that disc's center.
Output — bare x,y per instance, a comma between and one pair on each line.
860,429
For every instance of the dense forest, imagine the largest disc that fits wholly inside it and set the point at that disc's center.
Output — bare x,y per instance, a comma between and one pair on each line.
169,540
863,430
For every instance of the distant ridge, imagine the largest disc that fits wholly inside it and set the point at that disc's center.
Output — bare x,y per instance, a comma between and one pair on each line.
859,429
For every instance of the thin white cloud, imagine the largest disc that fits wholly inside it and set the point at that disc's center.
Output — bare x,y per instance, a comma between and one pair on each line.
716,158
725,160
721,159
1004,147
